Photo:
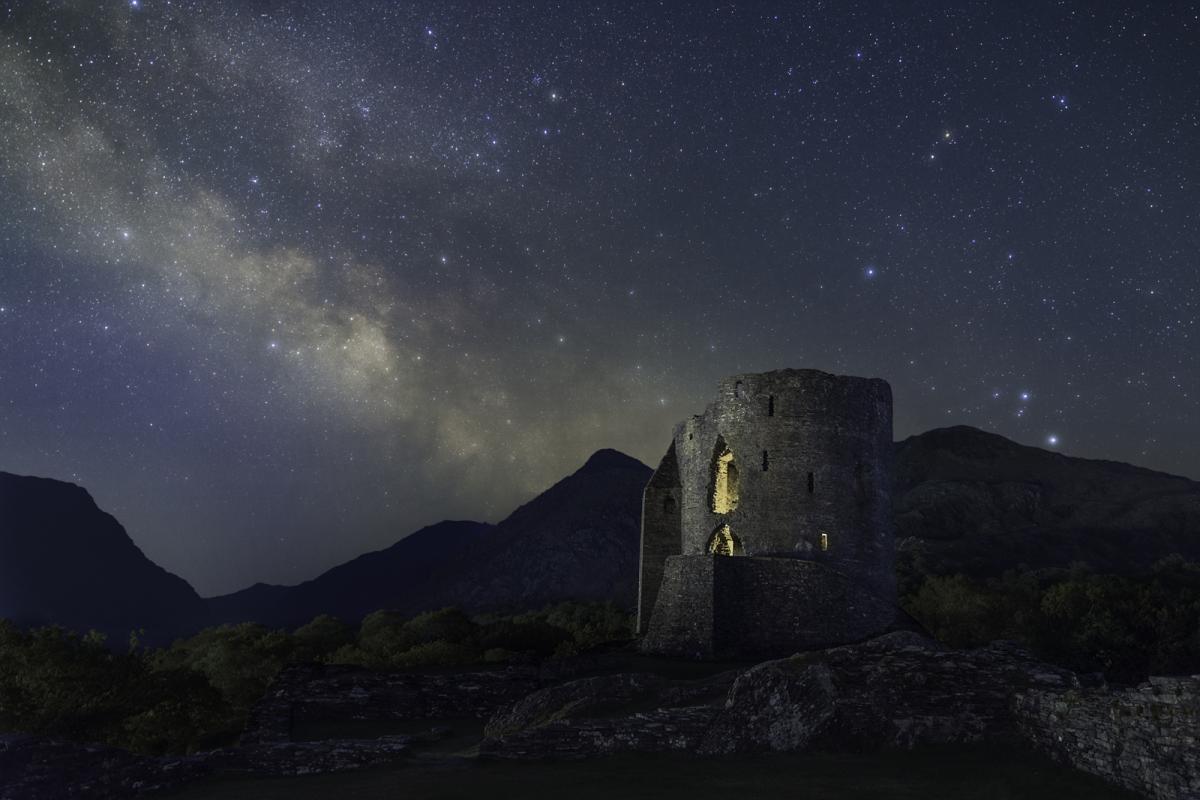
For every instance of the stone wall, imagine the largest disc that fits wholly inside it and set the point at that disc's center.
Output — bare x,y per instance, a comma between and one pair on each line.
766,606
1145,738
660,533
782,427
682,623
722,607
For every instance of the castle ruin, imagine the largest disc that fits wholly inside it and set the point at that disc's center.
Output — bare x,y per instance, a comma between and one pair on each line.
766,528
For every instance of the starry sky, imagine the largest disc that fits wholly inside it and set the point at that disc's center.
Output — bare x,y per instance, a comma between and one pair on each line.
282,282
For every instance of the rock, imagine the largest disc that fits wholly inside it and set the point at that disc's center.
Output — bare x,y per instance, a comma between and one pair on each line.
42,768
307,758
779,706
574,699
1145,738
632,712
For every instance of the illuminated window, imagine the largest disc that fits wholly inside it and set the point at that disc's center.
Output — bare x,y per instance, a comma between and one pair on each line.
724,543
725,482
824,541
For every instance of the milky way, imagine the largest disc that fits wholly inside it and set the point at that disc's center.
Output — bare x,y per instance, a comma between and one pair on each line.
280,284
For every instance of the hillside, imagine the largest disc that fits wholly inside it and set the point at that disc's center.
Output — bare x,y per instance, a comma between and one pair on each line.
970,501
64,561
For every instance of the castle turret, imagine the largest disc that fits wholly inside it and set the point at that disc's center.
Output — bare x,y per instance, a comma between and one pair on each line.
767,526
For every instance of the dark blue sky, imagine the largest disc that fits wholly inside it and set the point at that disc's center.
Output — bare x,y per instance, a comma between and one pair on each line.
280,283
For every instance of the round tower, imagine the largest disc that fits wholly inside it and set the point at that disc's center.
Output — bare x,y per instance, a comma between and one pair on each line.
768,525
794,463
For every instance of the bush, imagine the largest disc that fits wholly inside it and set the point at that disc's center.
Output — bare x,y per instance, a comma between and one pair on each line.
196,693
238,660
56,683
1127,627
523,636
325,634
439,653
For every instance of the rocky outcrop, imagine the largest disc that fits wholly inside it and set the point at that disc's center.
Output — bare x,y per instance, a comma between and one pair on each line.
1146,738
900,691
776,706
636,712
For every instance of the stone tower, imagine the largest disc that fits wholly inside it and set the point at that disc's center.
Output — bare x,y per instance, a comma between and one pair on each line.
767,526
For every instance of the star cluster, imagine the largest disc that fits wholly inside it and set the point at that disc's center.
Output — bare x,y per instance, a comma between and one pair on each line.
280,283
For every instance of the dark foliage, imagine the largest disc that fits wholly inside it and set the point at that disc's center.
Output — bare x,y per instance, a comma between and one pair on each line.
1126,626
196,693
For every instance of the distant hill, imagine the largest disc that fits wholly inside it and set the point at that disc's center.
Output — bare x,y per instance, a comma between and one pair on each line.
975,502
577,540
390,578
64,561
964,500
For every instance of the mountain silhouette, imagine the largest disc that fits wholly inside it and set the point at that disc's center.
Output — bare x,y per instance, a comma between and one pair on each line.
578,540
964,501
974,502
64,561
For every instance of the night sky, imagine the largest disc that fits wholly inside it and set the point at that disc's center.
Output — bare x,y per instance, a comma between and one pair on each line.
281,283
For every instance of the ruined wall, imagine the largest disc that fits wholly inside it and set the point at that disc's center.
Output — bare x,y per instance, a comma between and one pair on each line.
682,622
660,533
1145,738
790,472
782,427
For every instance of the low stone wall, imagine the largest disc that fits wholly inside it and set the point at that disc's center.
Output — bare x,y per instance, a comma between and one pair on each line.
767,607
1145,738
758,607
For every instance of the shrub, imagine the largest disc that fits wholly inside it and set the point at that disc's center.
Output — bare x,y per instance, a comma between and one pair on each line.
321,637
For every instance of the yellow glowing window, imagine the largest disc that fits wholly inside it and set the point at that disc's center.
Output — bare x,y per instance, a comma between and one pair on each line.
824,541
724,543
725,483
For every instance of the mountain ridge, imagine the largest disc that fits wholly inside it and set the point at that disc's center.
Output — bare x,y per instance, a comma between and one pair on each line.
965,500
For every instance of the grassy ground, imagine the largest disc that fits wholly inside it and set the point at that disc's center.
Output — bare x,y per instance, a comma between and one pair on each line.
952,773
